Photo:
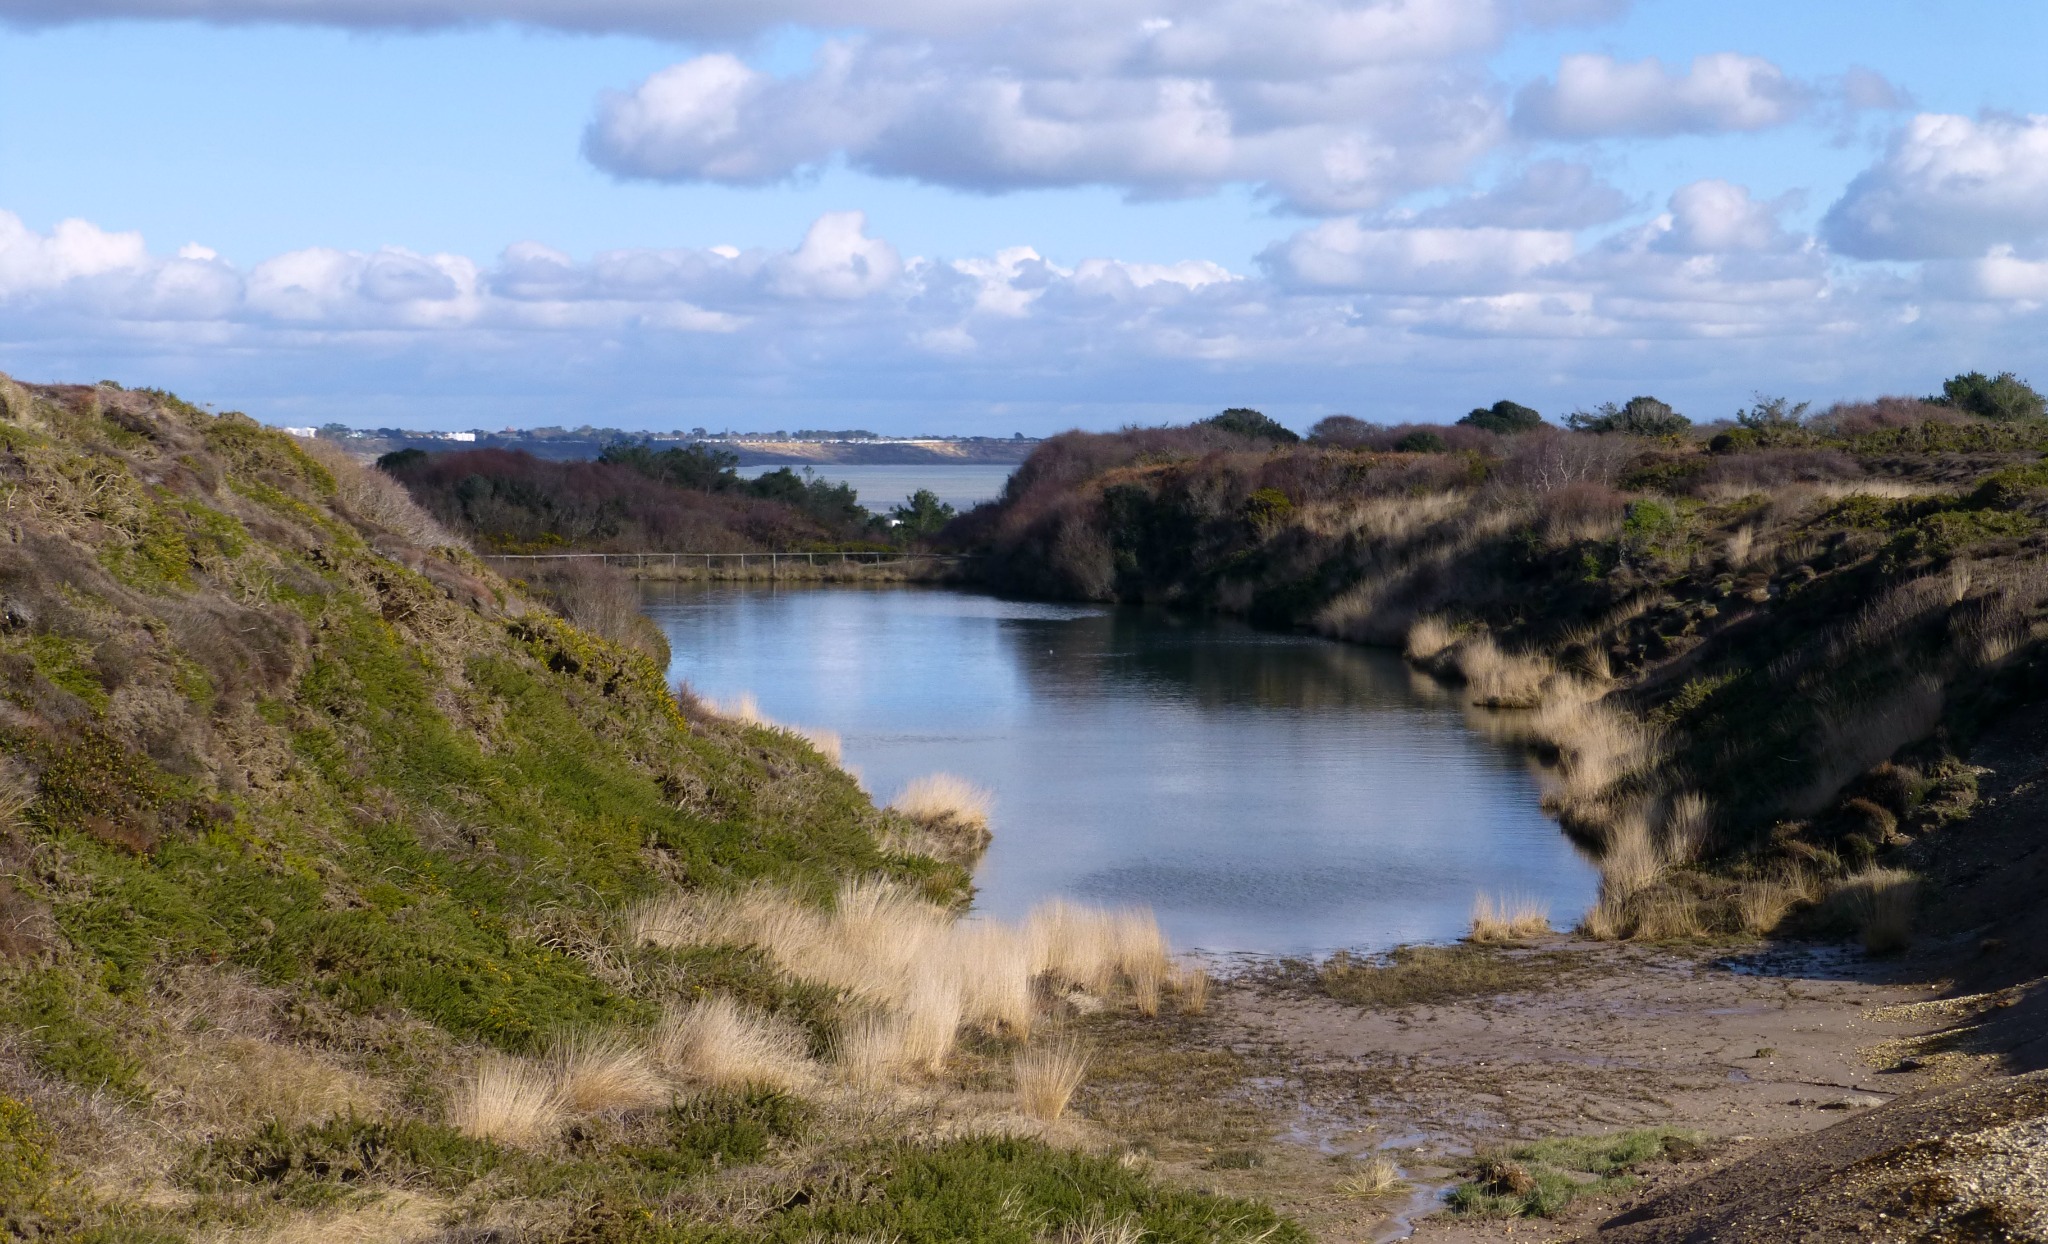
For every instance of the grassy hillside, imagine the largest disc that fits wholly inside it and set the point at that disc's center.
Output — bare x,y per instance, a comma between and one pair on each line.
1758,652
318,841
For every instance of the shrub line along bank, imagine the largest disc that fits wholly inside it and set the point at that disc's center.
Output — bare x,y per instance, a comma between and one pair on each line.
1755,652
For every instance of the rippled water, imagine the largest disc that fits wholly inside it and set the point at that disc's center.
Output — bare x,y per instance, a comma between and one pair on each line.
1262,792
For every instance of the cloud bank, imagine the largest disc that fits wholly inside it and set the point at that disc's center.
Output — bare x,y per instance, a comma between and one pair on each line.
1506,290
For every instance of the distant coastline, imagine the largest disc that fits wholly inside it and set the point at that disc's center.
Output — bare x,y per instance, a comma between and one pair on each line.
753,449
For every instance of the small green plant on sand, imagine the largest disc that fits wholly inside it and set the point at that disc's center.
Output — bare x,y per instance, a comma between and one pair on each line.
1539,1179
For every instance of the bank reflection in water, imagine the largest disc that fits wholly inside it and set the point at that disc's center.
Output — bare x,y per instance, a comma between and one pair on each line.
1263,792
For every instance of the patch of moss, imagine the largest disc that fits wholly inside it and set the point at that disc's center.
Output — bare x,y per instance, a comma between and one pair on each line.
1541,1179
1001,1190
67,664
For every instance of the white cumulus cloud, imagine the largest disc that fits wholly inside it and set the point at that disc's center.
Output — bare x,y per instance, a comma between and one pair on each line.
1596,96
1327,105
1948,187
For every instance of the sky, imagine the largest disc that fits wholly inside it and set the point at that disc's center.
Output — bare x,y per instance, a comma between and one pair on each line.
1000,216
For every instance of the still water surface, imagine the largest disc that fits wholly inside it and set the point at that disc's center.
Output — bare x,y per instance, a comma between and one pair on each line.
962,485
1262,792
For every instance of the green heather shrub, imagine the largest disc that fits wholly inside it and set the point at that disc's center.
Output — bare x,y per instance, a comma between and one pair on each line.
1004,1190
319,1163
27,1166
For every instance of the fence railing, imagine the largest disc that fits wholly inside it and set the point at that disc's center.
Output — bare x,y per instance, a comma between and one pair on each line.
774,561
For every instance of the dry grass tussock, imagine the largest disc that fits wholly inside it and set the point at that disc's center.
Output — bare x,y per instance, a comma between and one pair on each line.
17,792
509,1100
1376,1176
746,709
1508,920
922,972
1429,637
599,1073
944,797
949,815
1764,902
716,1041
1881,902
1047,1076
395,1217
1099,1230
1688,827
1597,746
222,1082
1191,988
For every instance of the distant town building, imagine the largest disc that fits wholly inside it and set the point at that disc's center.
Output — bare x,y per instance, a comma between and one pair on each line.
304,433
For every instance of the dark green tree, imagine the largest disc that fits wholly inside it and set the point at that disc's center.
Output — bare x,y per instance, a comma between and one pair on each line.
1253,425
1639,416
921,515
1421,441
1504,417
2004,397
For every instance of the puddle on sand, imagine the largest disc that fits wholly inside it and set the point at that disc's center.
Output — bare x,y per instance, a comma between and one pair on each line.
1834,963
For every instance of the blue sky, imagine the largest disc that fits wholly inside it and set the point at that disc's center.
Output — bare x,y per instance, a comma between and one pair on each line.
462,213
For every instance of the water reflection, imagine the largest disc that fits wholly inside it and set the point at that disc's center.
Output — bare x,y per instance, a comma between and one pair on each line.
1263,792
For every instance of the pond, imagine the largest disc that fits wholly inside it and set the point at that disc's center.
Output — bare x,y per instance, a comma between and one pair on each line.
1263,792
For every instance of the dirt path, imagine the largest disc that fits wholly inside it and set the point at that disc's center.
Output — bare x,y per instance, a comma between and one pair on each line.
1745,1048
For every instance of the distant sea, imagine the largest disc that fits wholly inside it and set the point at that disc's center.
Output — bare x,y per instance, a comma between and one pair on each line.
961,486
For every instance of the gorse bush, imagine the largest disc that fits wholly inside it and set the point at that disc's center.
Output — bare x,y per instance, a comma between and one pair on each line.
1504,417
1252,425
2003,398
1639,416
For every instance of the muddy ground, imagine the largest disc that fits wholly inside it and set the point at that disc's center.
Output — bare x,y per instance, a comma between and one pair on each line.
1280,1091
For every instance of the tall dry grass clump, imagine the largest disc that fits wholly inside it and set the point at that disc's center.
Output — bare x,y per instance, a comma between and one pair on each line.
1047,1077
992,965
921,973
1094,949
1598,748
1881,902
944,797
1508,920
509,1100
601,1073
1762,903
1191,988
1499,679
1688,827
951,815
1428,638
719,1042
